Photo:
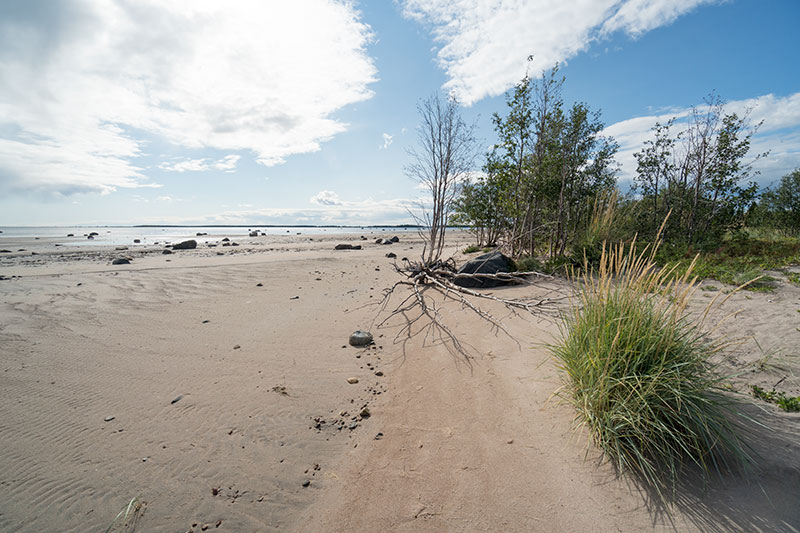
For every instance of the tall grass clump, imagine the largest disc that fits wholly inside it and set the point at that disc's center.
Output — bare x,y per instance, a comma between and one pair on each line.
637,370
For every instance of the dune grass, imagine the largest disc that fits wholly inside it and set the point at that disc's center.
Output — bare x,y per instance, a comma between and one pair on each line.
636,368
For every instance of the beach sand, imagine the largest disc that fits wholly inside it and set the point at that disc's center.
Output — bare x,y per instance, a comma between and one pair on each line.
226,377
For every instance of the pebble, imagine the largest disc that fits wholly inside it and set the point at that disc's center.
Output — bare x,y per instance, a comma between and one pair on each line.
360,338
379,373
306,483
177,399
236,346
108,418
352,381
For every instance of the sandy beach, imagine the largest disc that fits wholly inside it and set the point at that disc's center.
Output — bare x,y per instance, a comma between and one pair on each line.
214,389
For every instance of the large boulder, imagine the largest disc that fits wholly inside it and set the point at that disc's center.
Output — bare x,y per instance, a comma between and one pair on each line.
491,263
185,245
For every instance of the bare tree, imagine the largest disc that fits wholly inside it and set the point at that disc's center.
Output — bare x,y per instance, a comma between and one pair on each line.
446,153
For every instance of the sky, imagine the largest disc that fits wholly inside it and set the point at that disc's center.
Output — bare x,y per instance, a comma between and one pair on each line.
263,112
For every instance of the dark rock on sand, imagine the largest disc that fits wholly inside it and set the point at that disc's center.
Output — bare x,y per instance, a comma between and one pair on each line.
94,233
178,398
391,255
395,239
68,234
185,245
347,247
137,241
253,234
490,263
225,239
5,251
121,261
166,251
360,338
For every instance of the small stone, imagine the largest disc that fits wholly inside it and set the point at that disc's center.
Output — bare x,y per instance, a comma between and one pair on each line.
510,441
108,418
137,241
391,255
259,284
379,436
379,373
177,399
306,483
352,381
166,251
236,346
360,338
364,413
206,321
121,261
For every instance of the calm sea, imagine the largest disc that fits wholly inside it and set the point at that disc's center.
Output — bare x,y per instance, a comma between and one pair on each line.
125,235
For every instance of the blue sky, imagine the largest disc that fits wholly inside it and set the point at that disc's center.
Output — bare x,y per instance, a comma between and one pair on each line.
256,112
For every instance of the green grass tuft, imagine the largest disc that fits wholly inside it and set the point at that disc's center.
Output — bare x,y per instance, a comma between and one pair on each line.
636,368
790,404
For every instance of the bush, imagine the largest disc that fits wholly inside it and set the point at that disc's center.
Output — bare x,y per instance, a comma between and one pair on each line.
636,368
529,264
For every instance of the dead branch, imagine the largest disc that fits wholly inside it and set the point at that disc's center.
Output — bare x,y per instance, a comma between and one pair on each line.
440,278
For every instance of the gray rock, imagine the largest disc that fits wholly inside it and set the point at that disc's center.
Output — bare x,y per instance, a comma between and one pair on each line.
185,245
395,239
360,338
166,251
391,255
108,419
137,241
253,234
225,239
121,261
347,247
491,263
121,248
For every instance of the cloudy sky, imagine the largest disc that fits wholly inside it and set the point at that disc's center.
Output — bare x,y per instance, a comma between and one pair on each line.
276,112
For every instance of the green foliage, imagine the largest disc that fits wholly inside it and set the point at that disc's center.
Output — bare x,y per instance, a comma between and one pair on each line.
699,175
637,370
471,249
787,403
793,277
781,207
740,258
529,264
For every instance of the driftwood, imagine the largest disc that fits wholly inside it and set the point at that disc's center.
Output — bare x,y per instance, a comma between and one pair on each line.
427,281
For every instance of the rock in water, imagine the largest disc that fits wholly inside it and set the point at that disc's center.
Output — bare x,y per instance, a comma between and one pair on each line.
361,338
185,245
491,263
121,261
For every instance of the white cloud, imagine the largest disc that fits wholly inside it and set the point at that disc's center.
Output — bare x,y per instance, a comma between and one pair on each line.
778,114
325,198
227,164
485,43
387,141
84,85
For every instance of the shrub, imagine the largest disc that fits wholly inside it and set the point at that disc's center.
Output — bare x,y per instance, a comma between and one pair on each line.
529,264
636,368
472,248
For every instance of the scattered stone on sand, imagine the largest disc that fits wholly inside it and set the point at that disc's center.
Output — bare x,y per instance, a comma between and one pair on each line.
379,373
360,338
347,247
225,239
306,483
68,234
379,436
365,413
294,298
108,418
178,398
200,234
491,263
206,321
93,234
395,238
137,241
185,245
90,237
253,234
259,284
391,255
121,261
5,251
220,253
352,381
166,251
236,346
121,248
